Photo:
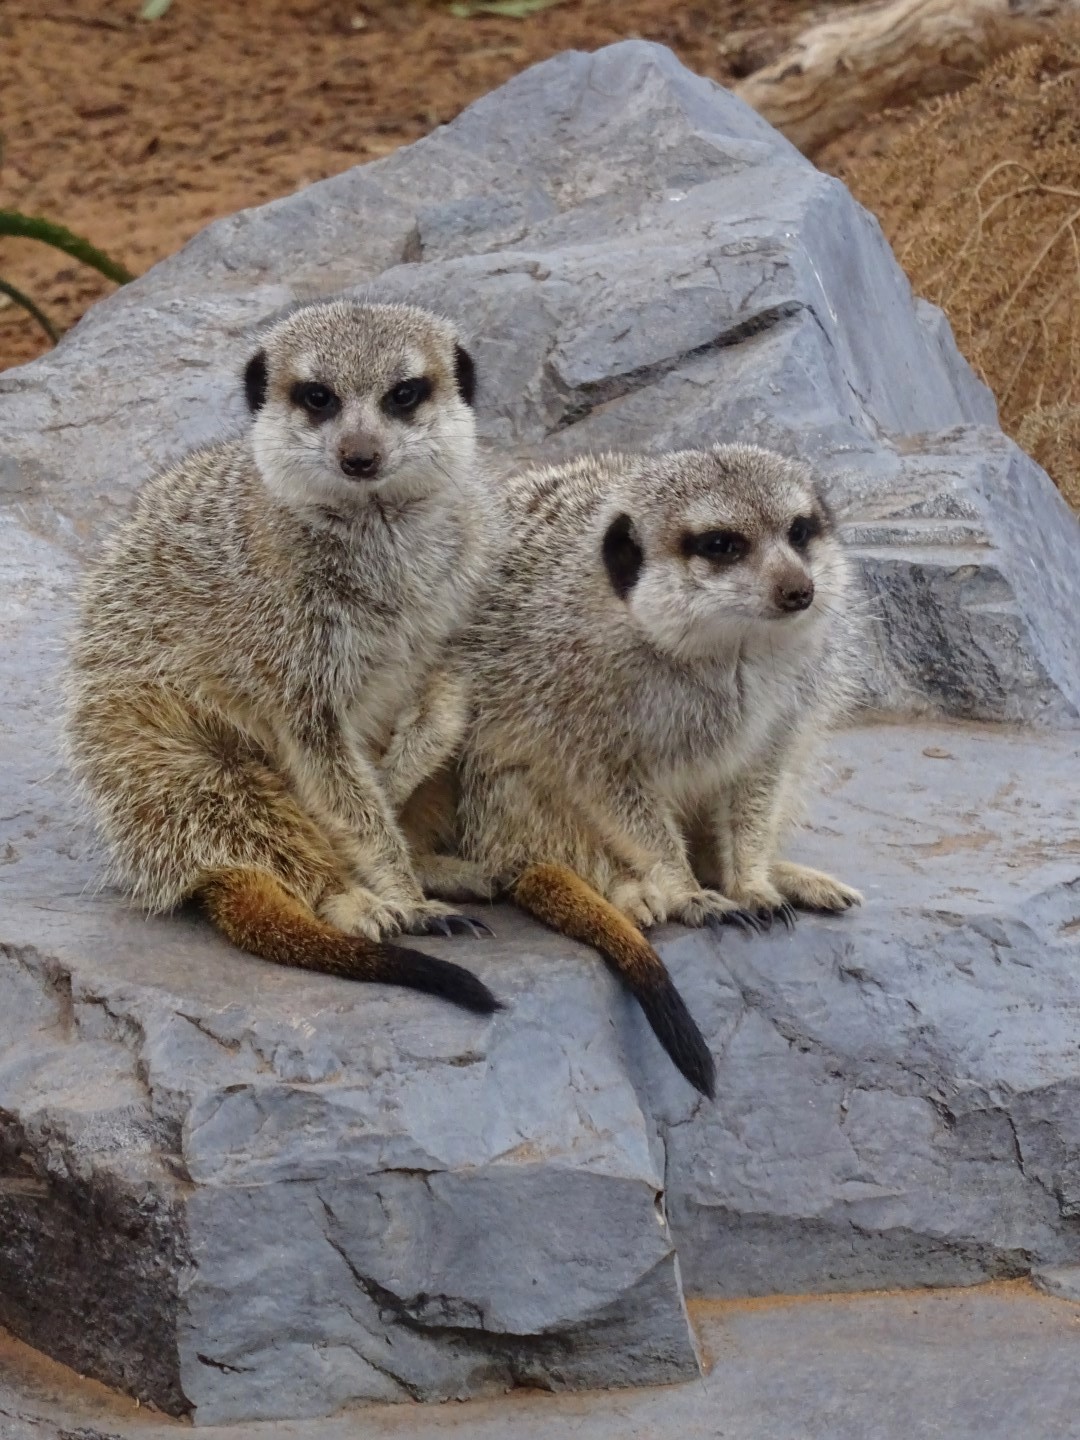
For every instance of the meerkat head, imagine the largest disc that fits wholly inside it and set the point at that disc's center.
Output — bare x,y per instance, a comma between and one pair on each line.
353,402
723,547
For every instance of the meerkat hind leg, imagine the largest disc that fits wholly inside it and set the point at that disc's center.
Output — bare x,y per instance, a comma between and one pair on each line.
646,901
239,842
813,889
429,822
359,911
509,823
449,877
371,904
712,908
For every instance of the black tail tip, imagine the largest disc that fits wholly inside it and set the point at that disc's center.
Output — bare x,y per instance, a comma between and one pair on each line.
677,1031
699,1067
417,971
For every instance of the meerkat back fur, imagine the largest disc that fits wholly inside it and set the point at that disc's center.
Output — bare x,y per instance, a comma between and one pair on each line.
661,648
260,676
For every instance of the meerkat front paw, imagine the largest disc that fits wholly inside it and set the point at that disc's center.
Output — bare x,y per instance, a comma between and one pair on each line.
639,900
813,889
359,911
765,902
711,908
432,917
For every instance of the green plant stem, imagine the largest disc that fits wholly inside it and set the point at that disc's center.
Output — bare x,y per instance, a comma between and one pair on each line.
515,9
27,304
35,227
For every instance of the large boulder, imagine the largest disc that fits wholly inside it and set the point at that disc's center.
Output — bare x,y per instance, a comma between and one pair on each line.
251,1193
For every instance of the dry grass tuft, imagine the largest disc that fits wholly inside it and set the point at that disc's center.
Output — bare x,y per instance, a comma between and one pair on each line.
980,197
1052,436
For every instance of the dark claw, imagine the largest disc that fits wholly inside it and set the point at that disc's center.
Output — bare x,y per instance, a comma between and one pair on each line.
765,920
468,925
744,920
787,915
437,925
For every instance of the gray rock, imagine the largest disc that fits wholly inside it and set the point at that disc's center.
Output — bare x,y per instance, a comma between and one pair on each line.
247,1193
1061,1281
998,1360
897,1095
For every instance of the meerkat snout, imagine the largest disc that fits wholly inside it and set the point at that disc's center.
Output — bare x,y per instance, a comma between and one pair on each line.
793,598
793,589
359,457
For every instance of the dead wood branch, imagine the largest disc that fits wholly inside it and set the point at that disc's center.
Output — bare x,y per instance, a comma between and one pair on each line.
886,54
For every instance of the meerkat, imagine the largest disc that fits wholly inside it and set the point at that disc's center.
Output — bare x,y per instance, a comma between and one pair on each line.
260,675
662,645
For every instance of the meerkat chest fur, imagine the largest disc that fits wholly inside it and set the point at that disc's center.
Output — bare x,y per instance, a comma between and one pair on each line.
381,600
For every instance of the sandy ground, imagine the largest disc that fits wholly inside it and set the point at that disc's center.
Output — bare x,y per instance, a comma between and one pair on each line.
139,133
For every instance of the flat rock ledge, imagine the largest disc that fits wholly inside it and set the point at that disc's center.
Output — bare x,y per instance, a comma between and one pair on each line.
246,1194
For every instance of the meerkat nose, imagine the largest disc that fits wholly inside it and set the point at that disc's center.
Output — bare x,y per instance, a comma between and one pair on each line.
361,463
794,597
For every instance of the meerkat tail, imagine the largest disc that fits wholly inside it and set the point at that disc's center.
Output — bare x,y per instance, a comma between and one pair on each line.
259,915
561,899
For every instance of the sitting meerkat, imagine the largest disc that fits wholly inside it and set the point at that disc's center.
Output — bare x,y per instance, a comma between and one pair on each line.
663,642
259,676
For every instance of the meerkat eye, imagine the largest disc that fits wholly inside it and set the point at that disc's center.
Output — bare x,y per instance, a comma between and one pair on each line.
315,398
723,546
406,395
803,529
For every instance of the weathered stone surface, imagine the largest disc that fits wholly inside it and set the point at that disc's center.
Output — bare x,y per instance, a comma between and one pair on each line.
251,1193
1061,1281
898,1096
972,1364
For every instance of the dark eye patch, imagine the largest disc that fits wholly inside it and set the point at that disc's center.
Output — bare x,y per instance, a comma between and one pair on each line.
319,401
803,529
465,374
722,547
623,556
255,381
404,397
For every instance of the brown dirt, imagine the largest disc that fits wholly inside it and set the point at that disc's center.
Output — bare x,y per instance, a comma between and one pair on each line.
137,134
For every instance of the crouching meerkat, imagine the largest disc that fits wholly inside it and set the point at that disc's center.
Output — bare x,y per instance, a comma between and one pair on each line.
662,645
259,679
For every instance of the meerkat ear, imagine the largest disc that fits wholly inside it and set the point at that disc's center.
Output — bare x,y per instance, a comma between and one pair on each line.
255,381
824,509
623,556
465,371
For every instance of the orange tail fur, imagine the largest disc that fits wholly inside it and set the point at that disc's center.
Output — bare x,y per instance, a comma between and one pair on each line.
259,915
561,899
